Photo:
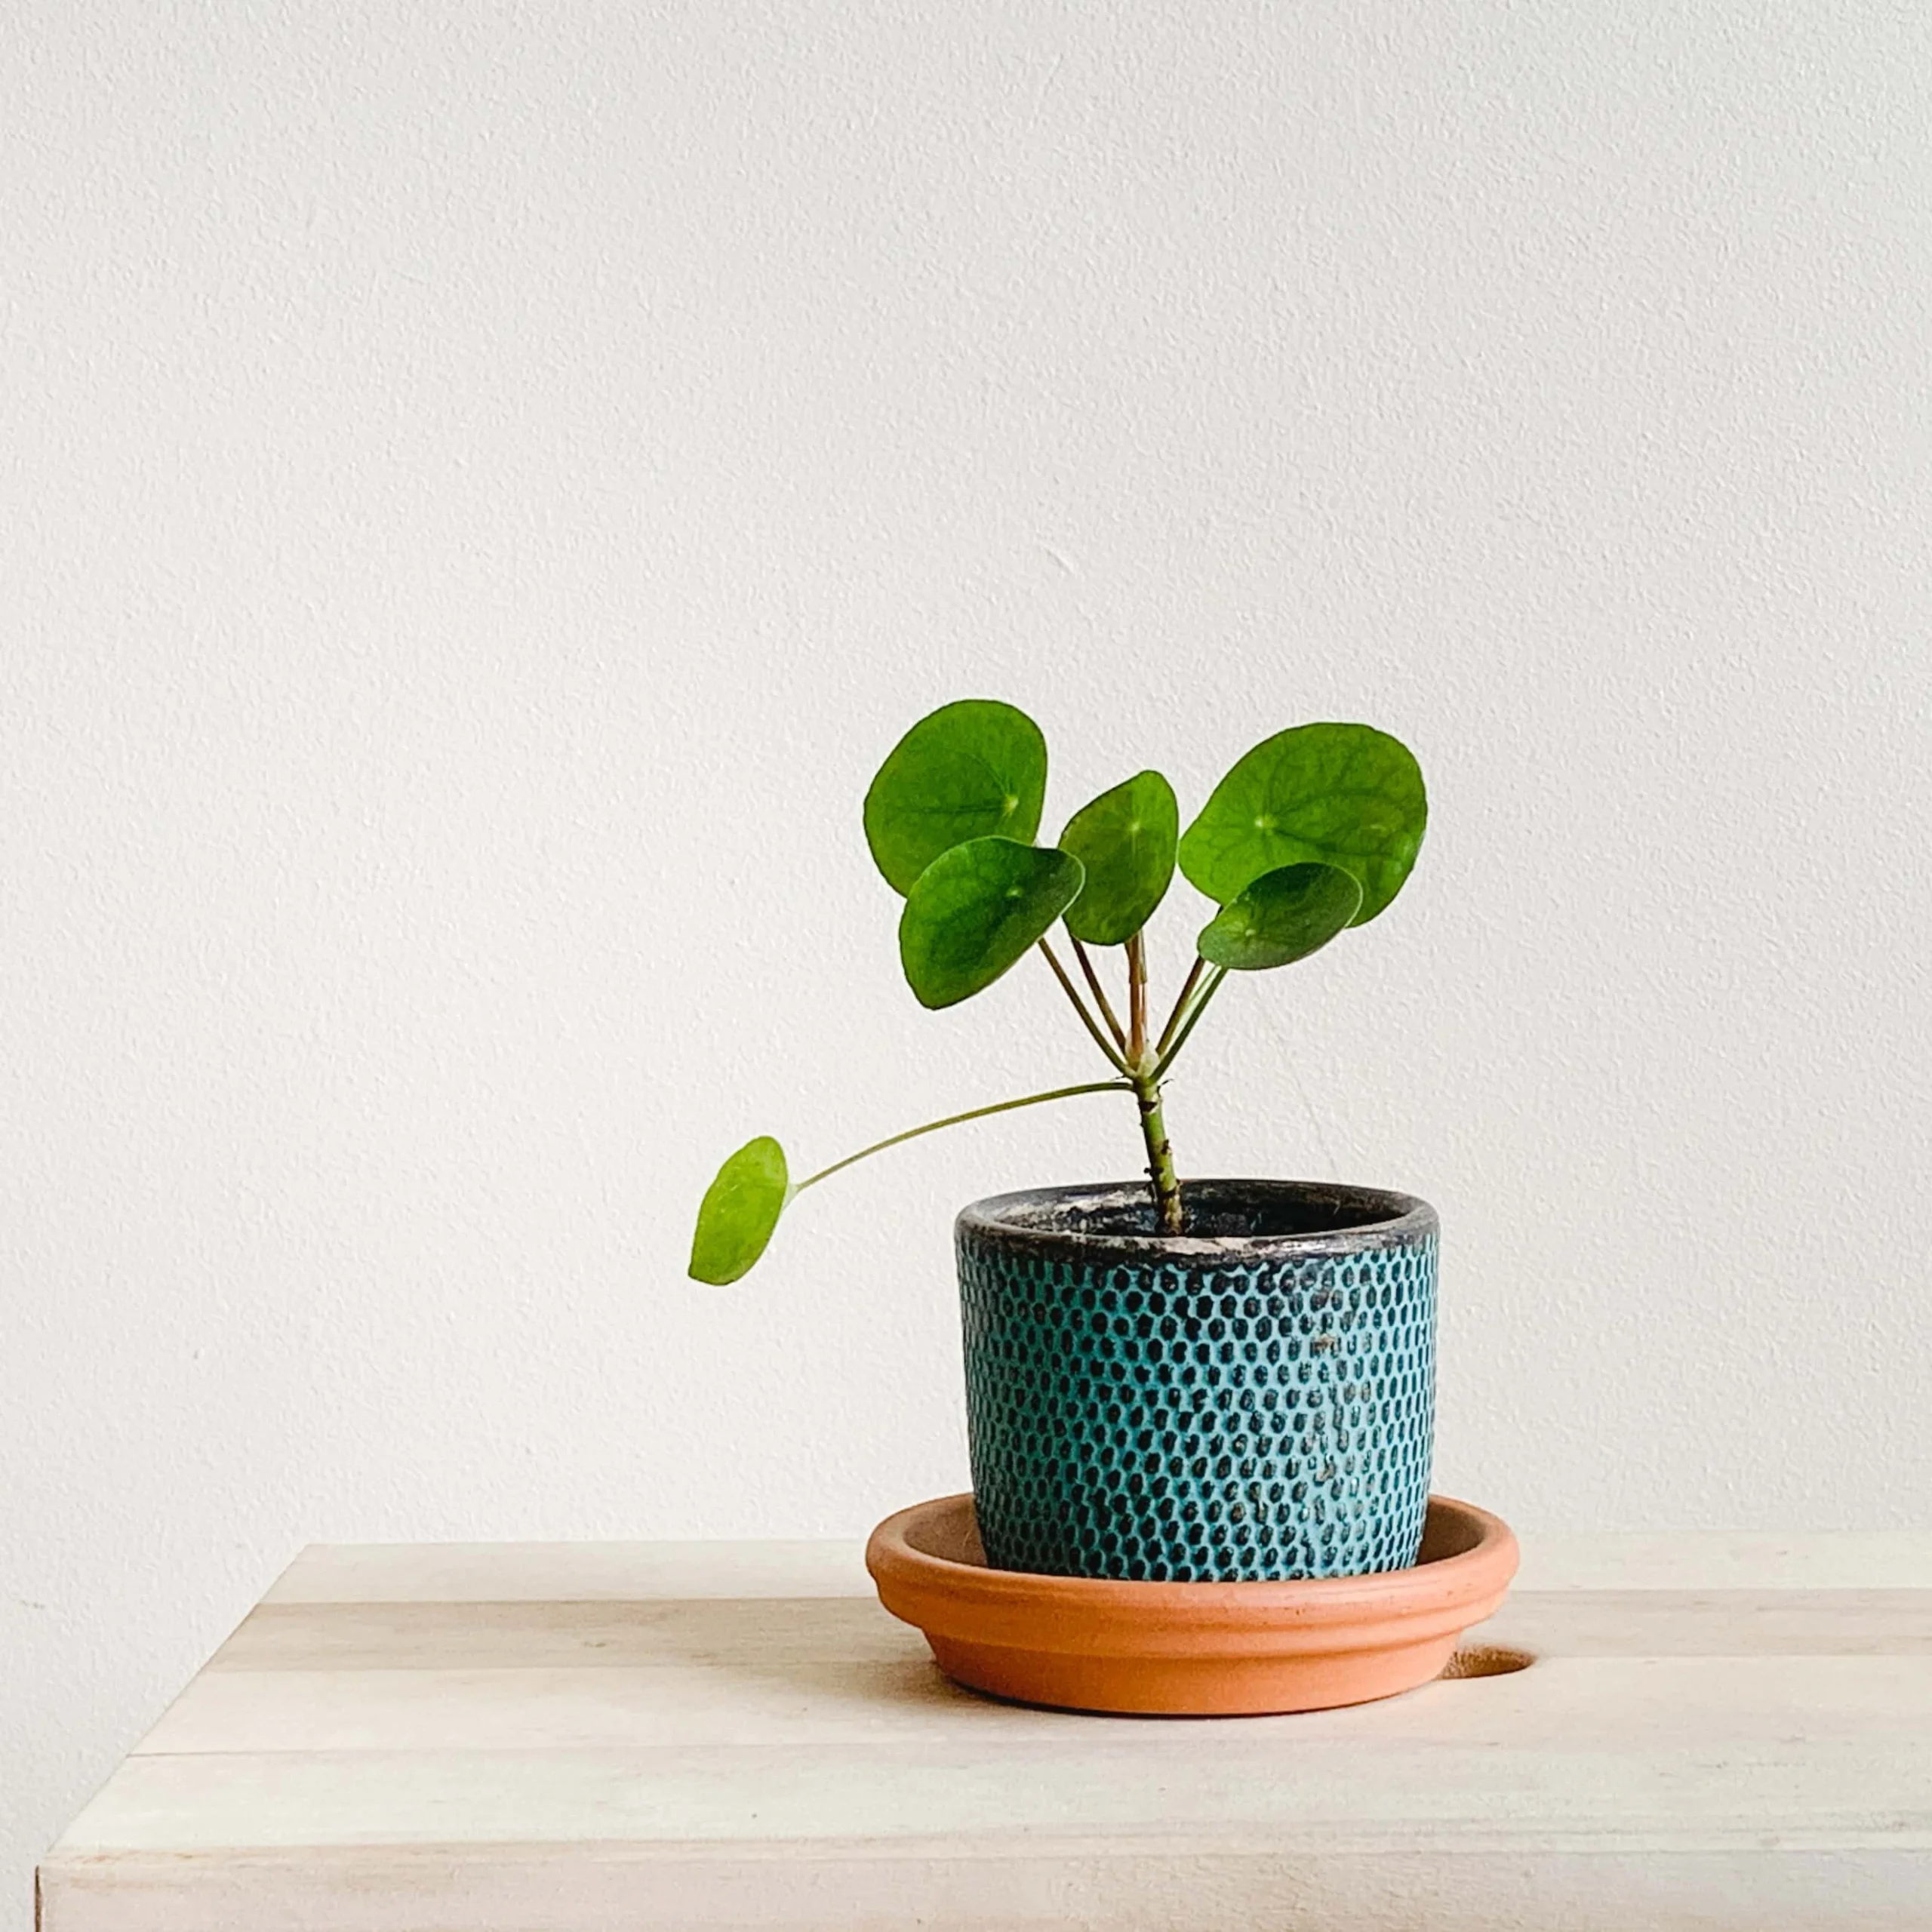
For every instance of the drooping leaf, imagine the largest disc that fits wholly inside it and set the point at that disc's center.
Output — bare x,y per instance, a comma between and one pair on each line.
976,909
1283,916
1336,794
1125,838
739,1211
967,771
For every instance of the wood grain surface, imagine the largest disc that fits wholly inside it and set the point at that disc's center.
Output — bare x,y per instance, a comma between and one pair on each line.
1714,1732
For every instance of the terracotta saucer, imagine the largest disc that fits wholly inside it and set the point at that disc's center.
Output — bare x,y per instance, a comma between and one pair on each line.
1196,1650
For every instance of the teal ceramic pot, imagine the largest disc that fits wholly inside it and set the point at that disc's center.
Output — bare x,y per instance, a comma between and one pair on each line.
1254,1399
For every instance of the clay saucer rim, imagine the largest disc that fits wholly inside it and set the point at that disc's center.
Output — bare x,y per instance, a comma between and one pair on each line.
1097,1616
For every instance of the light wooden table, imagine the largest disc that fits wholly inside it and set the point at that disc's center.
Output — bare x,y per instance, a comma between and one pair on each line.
1720,1732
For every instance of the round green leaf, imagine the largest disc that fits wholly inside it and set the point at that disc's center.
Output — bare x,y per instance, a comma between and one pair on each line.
968,770
976,909
1336,795
739,1211
1283,916
1125,839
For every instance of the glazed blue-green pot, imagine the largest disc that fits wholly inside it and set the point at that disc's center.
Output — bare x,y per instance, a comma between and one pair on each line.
1253,1399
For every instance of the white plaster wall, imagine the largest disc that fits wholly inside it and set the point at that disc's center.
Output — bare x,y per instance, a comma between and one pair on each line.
481,487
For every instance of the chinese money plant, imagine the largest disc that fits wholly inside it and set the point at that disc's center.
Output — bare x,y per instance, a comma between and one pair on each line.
1310,834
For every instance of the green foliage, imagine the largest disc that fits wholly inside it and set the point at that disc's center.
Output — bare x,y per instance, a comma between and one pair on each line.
1125,838
1336,795
977,910
1283,916
739,1211
1315,830
967,771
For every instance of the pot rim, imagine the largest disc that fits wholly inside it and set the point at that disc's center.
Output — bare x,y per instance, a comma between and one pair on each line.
1009,1221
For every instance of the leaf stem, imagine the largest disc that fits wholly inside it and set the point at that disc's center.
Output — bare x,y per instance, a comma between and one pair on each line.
1187,987
1137,1002
1086,1019
1100,993
955,1120
1172,1053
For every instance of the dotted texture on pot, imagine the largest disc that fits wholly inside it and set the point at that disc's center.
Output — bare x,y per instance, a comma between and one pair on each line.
1201,1417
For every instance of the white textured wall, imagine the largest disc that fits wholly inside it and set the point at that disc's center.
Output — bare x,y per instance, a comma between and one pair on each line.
481,486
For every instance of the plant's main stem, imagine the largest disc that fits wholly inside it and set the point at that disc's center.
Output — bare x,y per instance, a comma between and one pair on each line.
1160,1155
972,1113
1141,1060
1144,1070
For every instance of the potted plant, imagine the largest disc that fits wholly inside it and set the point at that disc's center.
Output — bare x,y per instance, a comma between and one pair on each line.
1178,1380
